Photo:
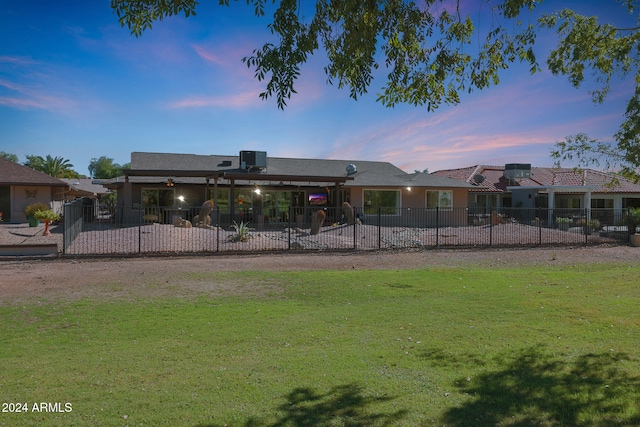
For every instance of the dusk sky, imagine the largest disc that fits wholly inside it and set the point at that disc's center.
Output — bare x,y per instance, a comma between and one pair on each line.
75,84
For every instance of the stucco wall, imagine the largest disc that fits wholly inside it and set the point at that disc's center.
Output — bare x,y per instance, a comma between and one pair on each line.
23,196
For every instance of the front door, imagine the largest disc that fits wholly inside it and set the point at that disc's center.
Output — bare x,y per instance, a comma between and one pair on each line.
5,203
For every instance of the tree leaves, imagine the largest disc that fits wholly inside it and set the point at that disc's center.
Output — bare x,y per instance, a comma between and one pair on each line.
427,51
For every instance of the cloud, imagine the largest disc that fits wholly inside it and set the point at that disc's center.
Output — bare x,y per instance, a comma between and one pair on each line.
32,98
17,60
234,101
208,55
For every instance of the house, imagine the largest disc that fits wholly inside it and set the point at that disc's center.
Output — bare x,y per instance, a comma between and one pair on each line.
21,186
518,185
83,187
265,190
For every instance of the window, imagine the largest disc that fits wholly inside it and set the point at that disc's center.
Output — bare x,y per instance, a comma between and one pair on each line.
152,197
387,200
628,202
223,199
567,202
601,203
440,199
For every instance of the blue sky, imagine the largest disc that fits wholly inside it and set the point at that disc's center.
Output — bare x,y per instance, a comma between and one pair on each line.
73,83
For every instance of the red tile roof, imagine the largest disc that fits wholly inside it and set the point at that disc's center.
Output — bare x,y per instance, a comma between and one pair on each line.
12,173
494,182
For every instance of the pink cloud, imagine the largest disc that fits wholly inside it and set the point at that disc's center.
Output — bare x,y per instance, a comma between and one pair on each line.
207,55
33,98
236,101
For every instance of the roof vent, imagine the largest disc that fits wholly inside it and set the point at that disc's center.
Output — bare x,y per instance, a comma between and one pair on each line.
351,169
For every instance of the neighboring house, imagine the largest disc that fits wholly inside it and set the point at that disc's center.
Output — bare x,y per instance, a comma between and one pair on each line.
83,187
265,189
517,185
21,186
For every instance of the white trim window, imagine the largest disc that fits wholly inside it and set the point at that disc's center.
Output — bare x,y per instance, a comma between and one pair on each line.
387,200
442,199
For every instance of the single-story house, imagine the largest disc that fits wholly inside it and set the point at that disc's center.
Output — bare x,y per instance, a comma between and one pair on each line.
519,185
21,186
264,190
83,187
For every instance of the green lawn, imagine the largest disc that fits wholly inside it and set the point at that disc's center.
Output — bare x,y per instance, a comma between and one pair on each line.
550,346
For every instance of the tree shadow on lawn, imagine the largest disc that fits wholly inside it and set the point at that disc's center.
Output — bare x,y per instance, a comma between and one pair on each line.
536,388
343,405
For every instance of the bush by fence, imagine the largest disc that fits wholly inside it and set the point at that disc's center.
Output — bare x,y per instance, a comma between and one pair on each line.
102,231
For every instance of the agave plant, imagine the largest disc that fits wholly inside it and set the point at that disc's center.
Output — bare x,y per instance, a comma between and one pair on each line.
243,232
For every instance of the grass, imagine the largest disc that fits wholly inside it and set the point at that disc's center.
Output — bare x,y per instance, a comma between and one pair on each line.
550,346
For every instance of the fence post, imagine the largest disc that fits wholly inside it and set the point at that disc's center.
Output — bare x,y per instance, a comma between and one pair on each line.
140,220
217,228
490,229
379,228
65,225
587,230
291,211
355,221
540,227
437,226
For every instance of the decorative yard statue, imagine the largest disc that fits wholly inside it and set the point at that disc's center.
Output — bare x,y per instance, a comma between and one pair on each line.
182,223
203,219
347,211
316,222
495,218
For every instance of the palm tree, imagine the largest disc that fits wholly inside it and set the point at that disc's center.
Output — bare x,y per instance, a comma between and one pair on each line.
57,167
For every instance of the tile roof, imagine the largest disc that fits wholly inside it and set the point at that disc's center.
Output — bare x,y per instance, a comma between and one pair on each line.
12,173
494,181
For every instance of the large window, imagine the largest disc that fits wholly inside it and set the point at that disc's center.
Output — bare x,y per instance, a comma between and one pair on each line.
440,199
275,206
387,200
153,197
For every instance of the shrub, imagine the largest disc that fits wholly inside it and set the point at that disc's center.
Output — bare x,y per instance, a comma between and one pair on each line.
46,215
634,220
592,224
31,209
243,232
563,220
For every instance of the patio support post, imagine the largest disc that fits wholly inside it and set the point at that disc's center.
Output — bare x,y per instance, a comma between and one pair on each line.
215,191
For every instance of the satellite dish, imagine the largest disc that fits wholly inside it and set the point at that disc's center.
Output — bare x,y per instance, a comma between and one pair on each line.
478,178
351,169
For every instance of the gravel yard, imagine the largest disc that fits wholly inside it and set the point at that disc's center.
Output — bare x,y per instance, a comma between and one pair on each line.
159,238
163,238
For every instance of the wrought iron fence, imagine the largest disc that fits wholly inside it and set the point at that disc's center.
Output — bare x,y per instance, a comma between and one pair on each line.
169,230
